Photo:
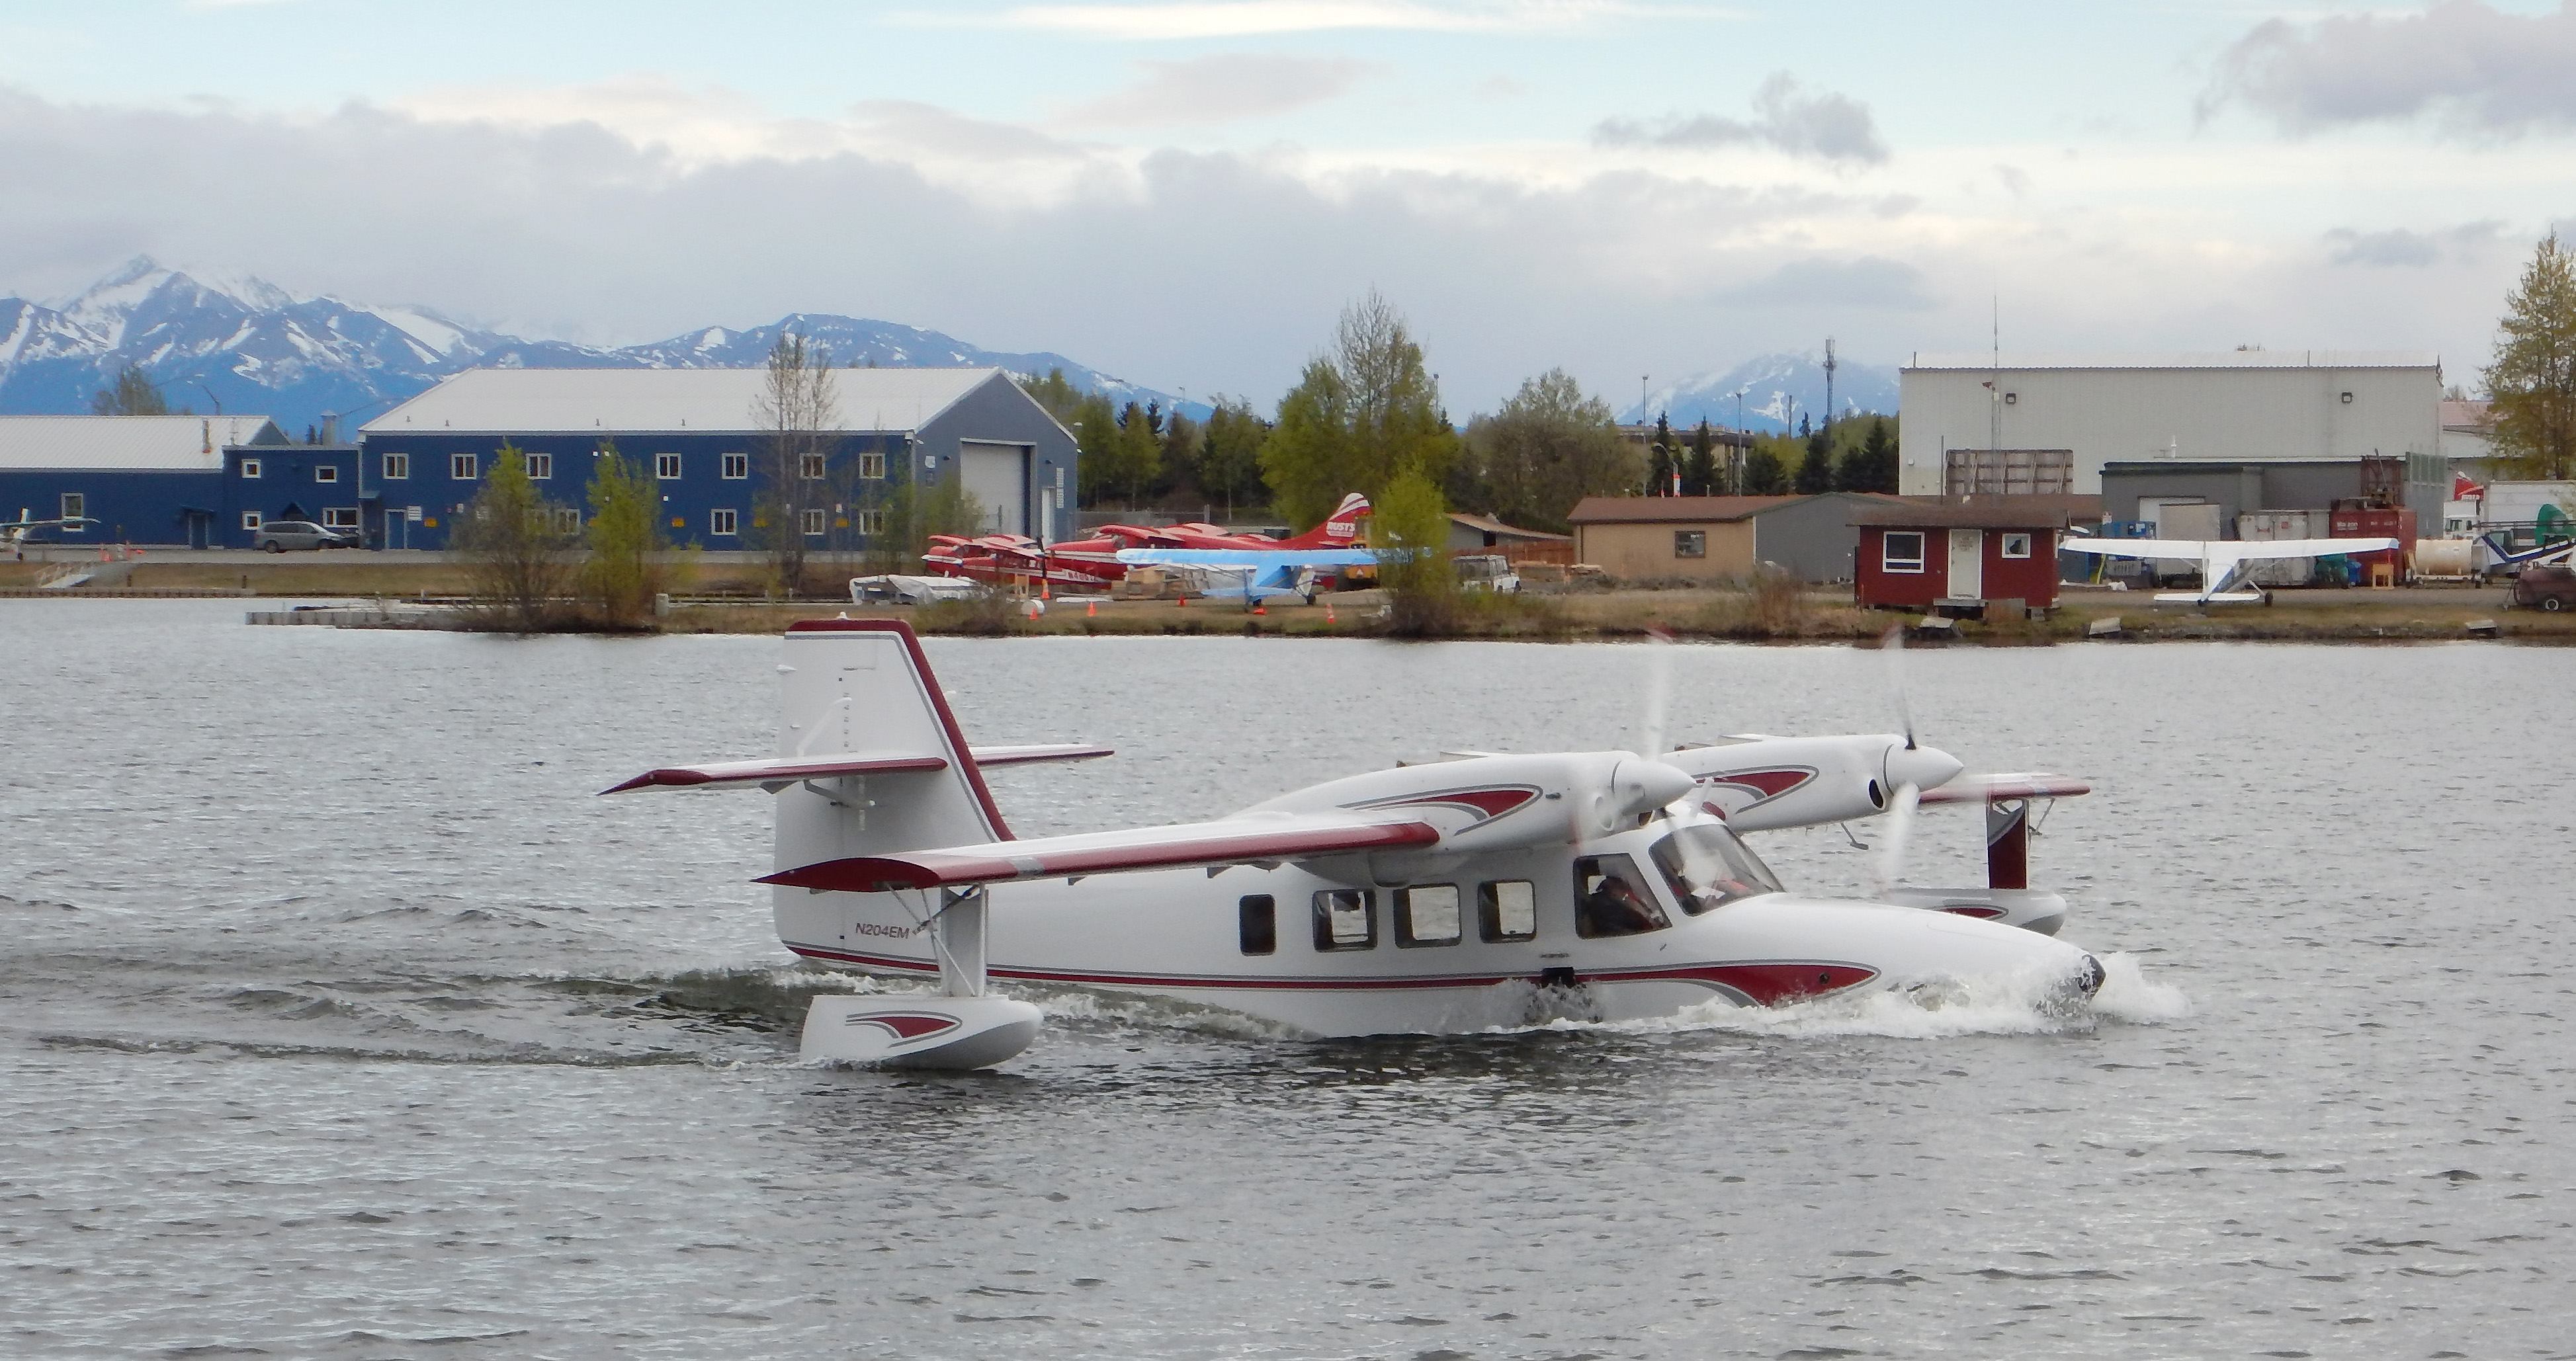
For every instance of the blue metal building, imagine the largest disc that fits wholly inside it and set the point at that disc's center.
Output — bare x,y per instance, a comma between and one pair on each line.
700,434
146,479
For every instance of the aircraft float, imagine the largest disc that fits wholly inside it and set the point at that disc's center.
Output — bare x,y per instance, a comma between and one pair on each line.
2224,563
1101,561
1454,895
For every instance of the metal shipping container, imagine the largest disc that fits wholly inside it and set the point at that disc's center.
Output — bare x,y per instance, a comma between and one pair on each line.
2267,525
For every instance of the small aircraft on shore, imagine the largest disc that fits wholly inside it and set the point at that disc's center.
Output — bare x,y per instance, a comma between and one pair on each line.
1098,562
13,533
2224,563
1459,894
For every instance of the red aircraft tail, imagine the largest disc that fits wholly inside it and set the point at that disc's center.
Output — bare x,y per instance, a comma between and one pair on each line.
1341,529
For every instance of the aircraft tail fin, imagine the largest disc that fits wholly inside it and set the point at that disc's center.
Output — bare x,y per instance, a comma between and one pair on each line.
863,686
1341,529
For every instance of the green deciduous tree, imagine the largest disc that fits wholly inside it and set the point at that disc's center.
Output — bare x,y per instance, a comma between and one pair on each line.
2532,382
1358,418
1548,446
628,564
131,394
1053,392
516,549
1409,527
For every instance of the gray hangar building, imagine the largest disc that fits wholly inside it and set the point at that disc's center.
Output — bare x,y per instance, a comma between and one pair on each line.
700,434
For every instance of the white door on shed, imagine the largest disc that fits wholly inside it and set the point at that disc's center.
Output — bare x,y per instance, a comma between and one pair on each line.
997,476
1967,564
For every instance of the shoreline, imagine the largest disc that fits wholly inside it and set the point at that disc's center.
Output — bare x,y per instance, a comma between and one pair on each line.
1815,616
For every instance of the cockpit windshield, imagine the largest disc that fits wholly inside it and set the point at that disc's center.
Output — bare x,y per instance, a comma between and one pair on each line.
1708,867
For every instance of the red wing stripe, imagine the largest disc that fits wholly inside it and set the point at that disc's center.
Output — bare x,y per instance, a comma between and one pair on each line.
940,869
745,772
1771,783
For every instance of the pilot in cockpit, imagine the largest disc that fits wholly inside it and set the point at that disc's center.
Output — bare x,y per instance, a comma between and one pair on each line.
1612,899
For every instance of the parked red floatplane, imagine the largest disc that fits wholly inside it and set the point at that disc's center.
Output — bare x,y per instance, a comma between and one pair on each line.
1455,895
1092,564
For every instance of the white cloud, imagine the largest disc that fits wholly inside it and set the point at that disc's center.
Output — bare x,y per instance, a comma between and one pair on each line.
2478,71
1248,18
2399,247
1220,88
1824,125
1869,283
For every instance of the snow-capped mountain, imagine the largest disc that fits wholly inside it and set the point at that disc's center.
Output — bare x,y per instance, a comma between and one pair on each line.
1778,389
246,345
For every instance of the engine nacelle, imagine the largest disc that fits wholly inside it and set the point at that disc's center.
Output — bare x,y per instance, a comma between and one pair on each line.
1765,783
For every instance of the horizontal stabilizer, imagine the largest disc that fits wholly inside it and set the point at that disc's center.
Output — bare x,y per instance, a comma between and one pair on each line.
1999,788
754,774
1233,841
2209,597
1028,755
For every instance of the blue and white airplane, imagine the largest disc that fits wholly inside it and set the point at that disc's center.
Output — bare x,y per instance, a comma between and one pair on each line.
1250,574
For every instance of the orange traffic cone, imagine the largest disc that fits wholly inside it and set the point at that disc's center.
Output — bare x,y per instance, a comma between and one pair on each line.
1261,609
1091,609
1328,612
1182,601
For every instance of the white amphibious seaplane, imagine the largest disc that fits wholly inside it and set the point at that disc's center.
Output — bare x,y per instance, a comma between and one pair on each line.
2225,564
1456,895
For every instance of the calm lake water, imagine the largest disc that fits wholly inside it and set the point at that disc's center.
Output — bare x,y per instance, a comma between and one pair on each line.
339,1019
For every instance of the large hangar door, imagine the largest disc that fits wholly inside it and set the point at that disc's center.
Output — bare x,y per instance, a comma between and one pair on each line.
997,476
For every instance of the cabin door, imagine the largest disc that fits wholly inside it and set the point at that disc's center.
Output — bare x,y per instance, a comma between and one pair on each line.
1967,564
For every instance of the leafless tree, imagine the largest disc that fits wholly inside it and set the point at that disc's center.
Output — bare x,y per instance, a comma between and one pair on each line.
799,413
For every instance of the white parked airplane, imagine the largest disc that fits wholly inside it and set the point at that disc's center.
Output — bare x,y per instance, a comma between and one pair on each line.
2224,563
14,532
1455,895
1249,574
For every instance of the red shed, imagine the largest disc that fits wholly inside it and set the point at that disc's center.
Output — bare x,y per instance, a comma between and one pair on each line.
1952,557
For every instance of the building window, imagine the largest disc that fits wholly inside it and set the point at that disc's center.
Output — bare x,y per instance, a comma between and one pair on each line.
723,522
326,472
1426,914
737,467
1901,550
872,522
813,520
1346,919
250,519
810,467
461,467
397,467
1690,543
872,465
1257,924
567,519
1507,910
667,467
541,467
75,507
250,467
339,517
2016,545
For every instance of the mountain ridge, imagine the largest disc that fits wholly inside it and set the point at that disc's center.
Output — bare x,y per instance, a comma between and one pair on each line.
243,345
1777,389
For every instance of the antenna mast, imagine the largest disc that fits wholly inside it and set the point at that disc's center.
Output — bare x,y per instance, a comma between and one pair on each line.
1829,392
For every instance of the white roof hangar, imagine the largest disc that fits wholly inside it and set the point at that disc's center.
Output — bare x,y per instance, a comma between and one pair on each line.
1969,416
129,443
606,401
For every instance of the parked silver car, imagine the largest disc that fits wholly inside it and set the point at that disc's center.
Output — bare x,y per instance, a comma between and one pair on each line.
277,536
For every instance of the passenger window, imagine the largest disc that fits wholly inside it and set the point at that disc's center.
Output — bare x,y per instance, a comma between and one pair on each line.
1426,914
1345,919
1507,910
1612,899
1258,919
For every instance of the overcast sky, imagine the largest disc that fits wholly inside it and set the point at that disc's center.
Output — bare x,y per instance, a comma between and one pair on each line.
1185,194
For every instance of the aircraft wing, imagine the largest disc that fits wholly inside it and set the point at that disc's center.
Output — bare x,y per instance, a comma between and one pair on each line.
1258,558
772,775
1255,839
2135,548
1999,788
2231,550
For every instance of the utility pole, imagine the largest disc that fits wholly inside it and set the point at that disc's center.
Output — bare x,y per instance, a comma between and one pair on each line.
1829,392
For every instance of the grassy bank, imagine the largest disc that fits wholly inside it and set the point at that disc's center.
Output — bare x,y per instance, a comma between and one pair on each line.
1776,615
